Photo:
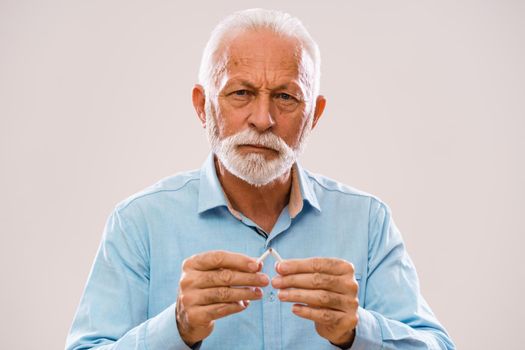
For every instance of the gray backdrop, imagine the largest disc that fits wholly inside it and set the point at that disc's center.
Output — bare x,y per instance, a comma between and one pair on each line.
425,110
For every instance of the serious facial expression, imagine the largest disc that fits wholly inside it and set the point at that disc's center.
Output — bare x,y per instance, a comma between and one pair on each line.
264,84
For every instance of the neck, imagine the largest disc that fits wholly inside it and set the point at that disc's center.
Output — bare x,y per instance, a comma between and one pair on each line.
262,204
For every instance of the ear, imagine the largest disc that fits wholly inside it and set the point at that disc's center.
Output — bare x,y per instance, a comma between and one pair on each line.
199,98
320,104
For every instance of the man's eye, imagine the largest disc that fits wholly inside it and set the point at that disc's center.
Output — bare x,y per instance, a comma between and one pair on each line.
284,96
241,92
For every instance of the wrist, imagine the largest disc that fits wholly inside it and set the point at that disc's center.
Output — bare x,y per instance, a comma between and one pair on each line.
346,341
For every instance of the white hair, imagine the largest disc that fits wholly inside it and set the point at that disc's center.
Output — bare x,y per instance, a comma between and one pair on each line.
253,19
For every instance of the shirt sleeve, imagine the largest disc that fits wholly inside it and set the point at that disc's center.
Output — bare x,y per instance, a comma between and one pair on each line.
113,310
394,314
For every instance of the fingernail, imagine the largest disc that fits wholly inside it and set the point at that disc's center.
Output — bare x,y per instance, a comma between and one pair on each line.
264,279
258,291
277,281
283,267
283,293
296,308
253,266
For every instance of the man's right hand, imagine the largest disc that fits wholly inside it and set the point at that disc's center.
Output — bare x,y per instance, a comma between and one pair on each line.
215,284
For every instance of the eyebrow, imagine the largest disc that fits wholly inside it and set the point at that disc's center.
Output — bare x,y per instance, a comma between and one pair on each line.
249,85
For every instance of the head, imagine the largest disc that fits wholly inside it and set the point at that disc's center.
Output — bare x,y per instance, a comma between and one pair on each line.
258,93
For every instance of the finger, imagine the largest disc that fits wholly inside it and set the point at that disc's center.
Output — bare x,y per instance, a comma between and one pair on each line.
332,266
226,295
343,284
317,298
217,259
322,316
227,277
203,315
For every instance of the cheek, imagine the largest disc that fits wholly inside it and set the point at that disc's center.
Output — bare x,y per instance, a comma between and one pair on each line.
230,118
290,129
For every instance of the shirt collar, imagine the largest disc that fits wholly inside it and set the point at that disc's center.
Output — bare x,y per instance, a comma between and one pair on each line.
211,194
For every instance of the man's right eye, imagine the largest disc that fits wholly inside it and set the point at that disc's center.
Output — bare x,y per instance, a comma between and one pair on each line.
241,92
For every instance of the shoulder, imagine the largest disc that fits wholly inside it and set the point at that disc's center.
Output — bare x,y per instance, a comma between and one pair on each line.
326,186
171,187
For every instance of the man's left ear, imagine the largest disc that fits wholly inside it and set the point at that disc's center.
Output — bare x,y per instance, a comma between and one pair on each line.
320,104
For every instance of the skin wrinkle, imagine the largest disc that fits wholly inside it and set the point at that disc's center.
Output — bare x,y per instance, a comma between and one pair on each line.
223,60
263,75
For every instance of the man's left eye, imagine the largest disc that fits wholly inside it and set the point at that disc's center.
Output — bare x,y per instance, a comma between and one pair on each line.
284,96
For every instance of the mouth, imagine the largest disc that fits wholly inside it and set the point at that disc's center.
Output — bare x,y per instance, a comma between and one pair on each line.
255,147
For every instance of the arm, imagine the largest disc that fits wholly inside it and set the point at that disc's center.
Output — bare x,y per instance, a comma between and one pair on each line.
113,311
394,315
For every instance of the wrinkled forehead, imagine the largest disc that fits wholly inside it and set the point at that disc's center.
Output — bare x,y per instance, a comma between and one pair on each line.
262,52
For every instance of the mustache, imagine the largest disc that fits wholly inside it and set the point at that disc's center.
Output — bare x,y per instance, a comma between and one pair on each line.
252,137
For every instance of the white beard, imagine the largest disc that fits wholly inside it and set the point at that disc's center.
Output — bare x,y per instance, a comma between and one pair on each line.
253,168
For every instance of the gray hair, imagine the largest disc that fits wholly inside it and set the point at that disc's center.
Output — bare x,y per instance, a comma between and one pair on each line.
279,22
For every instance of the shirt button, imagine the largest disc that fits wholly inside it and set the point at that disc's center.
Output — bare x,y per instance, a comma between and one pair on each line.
271,297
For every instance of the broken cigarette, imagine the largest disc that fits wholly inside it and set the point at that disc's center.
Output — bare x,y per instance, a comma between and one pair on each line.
268,252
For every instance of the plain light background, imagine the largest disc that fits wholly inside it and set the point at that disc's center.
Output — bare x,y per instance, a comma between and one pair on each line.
425,110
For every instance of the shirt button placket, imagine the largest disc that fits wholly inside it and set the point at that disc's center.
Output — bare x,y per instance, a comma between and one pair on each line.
271,313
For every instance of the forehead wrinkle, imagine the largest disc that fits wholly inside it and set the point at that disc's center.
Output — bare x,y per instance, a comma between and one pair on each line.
263,67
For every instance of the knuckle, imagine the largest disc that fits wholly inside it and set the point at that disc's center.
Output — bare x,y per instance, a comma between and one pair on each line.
351,304
355,319
317,264
348,283
354,287
186,263
325,299
217,257
226,276
351,267
317,280
223,293
327,316
185,281
191,317
185,299
190,299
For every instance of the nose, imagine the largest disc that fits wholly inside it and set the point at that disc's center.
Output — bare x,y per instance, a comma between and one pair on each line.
260,116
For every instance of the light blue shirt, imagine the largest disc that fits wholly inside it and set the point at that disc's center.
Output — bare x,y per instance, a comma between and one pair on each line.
129,299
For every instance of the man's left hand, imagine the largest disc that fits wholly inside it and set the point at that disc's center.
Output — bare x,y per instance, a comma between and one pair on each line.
326,291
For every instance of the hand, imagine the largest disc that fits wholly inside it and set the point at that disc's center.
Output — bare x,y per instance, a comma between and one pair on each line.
207,291
328,290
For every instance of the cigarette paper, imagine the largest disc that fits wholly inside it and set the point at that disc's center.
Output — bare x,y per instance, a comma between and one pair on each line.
263,256
268,252
276,255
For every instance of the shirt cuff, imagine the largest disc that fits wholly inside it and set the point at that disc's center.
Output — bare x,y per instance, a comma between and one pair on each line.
162,332
368,332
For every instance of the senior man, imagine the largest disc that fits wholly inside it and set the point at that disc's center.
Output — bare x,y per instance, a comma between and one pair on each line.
177,265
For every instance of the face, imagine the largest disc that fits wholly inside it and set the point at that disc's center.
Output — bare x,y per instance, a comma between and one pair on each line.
260,114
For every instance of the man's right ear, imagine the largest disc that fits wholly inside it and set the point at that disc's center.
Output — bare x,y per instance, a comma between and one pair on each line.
199,98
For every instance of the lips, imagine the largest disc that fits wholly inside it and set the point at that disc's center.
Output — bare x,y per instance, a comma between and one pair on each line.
256,146
261,147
